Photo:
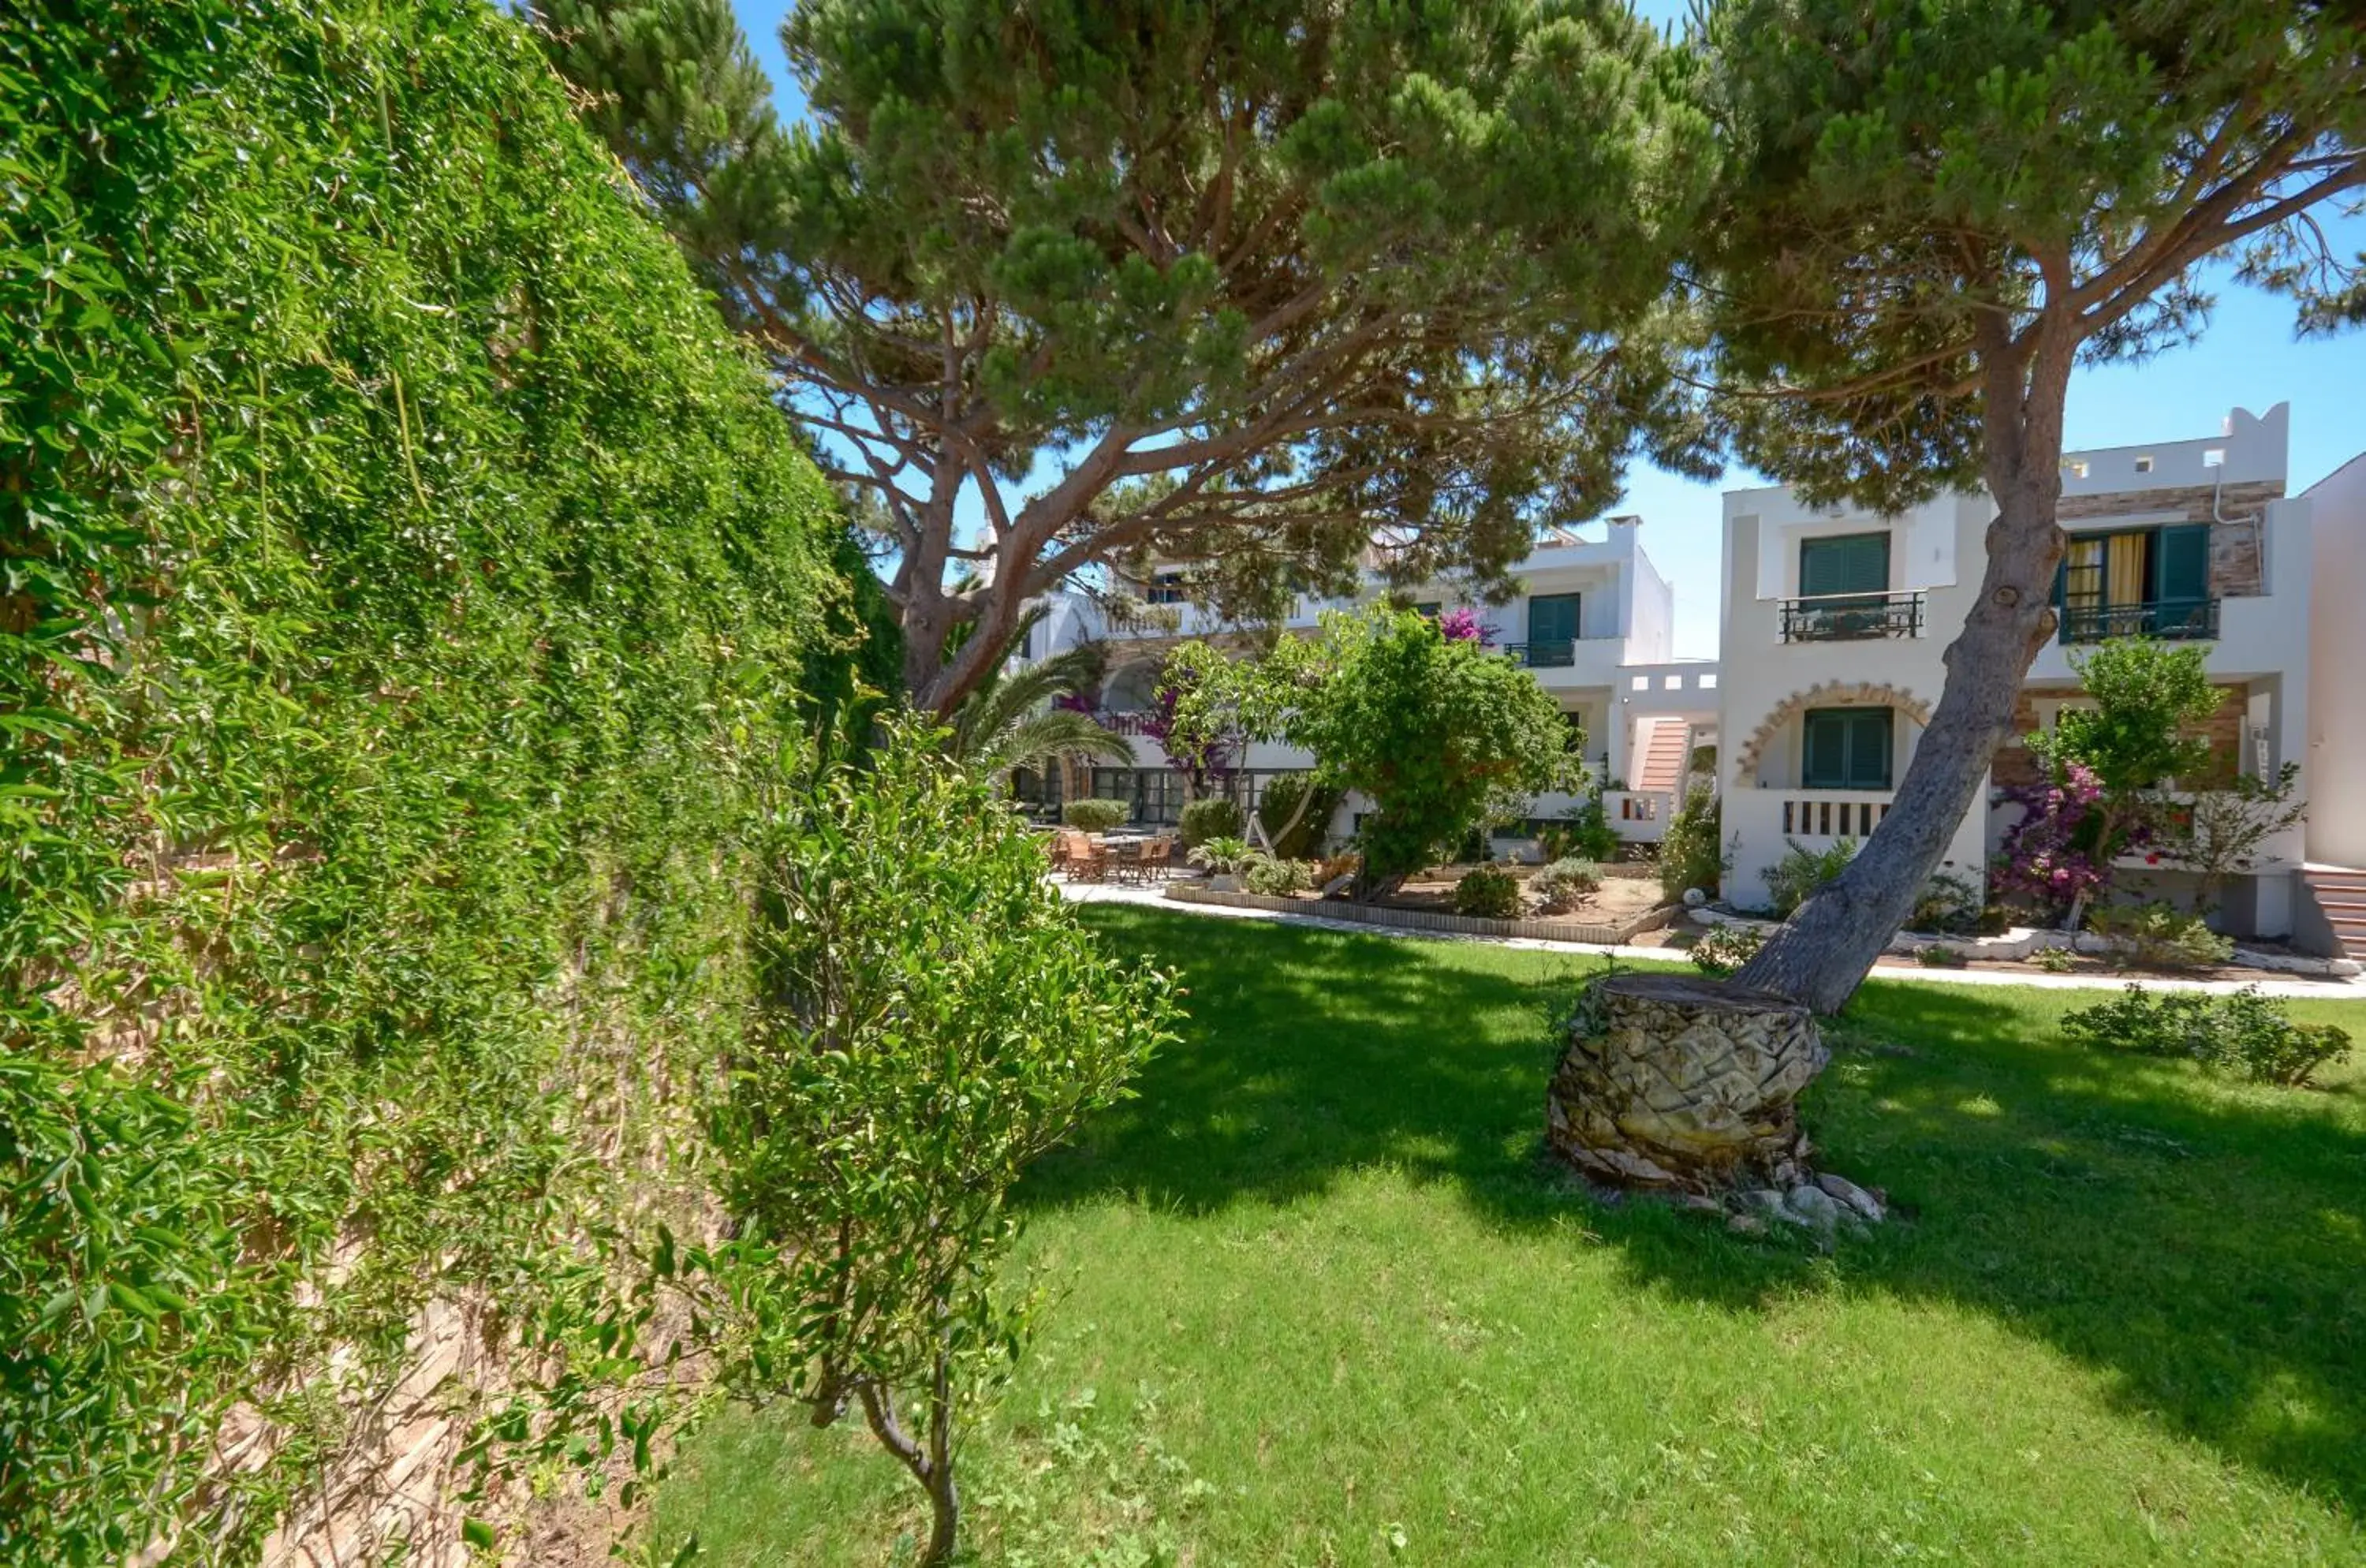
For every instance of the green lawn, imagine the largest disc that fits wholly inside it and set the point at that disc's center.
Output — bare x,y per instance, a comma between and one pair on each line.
1325,1304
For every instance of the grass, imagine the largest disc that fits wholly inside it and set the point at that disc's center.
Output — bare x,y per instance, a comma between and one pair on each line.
1325,1304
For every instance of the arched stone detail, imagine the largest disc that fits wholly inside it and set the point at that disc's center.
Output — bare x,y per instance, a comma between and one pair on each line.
1827,694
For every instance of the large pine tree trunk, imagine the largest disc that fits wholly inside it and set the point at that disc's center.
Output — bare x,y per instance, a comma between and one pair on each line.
1676,1082
1824,952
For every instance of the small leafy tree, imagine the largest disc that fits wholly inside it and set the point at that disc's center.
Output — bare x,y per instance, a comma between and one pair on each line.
2222,831
932,1021
2147,697
1442,734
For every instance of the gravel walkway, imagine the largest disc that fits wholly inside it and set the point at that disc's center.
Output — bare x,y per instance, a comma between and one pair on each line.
2330,988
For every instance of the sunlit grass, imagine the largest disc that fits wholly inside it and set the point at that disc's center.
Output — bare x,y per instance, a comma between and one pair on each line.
1326,1304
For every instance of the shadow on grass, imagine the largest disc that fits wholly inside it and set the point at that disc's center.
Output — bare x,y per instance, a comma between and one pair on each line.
2204,1245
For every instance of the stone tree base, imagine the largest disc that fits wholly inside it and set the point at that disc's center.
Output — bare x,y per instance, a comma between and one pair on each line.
1677,1082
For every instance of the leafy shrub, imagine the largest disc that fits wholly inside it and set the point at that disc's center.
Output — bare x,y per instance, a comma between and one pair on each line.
2054,960
2159,936
1690,855
1798,876
933,1021
1093,816
1487,893
1564,883
2245,1032
1725,949
1947,903
1937,955
1586,831
1210,817
1279,877
408,588
1223,857
1303,841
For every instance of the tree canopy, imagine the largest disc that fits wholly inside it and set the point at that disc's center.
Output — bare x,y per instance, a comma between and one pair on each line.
1293,291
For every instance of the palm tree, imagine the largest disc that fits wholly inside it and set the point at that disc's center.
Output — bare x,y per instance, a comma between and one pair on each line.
1008,722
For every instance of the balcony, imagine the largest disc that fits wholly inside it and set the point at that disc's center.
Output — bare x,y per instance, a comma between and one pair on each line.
2177,619
1543,655
1851,617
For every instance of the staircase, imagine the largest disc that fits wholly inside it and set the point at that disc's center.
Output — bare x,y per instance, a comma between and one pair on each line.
1667,744
2341,893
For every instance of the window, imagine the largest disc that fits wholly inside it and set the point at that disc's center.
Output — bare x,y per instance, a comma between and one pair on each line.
2135,582
1553,617
1851,563
1167,588
1845,749
1426,610
2144,464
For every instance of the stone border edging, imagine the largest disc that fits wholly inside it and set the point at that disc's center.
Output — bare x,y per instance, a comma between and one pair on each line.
2016,945
1429,920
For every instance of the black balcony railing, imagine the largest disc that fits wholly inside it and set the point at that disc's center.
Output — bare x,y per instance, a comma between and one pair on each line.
2173,618
1851,617
1543,655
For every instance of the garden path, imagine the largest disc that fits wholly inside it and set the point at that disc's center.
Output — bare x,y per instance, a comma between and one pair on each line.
2330,988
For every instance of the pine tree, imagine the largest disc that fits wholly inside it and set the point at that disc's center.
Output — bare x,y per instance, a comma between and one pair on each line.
1930,211
1247,283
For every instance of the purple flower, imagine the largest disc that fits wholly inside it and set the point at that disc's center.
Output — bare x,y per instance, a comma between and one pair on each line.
1461,625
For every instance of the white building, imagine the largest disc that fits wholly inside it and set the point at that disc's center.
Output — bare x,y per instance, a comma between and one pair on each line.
1834,624
1835,621
1594,621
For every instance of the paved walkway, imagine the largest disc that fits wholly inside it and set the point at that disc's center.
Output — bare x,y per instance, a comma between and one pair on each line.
2329,988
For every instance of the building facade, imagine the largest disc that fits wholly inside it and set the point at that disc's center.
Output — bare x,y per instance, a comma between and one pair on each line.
1834,627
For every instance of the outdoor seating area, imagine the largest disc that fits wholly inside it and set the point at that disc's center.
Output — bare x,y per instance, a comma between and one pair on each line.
1140,858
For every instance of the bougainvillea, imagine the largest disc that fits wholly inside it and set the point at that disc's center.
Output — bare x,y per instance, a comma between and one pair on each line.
2049,859
1462,625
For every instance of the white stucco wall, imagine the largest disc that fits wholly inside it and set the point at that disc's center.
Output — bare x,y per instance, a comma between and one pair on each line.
2335,763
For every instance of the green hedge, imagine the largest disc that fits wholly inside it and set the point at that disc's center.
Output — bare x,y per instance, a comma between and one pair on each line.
406,583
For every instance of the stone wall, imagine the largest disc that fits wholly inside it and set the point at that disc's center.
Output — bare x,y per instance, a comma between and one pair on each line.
1826,694
2015,765
2233,544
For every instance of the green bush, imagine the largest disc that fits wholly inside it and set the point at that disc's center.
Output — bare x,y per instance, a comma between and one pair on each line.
1097,816
934,1021
2157,936
1936,955
1564,883
1211,817
1584,830
1947,903
1798,876
2246,1032
1279,877
1224,857
1725,949
1690,852
1305,841
2054,960
1487,893
408,586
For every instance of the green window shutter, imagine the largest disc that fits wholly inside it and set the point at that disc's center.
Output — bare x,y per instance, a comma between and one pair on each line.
2182,564
1868,762
1845,749
1553,617
1823,759
1854,563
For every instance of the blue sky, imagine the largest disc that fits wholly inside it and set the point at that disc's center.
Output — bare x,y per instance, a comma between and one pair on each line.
2247,358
